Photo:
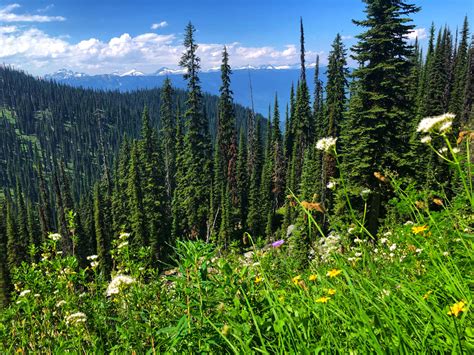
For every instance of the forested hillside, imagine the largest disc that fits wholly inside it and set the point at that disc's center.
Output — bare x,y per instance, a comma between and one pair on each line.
150,170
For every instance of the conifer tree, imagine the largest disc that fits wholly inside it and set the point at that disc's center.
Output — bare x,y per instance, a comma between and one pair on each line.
13,252
242,182
378,114
196,185
168,139
101,237
4,271
278,165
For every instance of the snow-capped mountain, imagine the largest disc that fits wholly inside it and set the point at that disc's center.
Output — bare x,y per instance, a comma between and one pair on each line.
267,80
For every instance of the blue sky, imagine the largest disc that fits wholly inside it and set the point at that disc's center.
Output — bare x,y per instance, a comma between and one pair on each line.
103,36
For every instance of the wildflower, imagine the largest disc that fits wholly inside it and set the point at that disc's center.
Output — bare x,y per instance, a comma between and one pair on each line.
333,272
323,299
92,257
385,293
24,293
326,144
384,240
437,123
124,235
427,294
391,255
351,230
331,292
313,277
358,241
278,243
393,247
380,177
331,185
376,250
258,279
225,330
419,250
446,126
55,237
443,150
456,150
457,308
358,254
446,253
438,201
408,223
121,245
419,229
426,139
117,282
94,264
60,303
365,193
76,318
296,279
37,295
313,206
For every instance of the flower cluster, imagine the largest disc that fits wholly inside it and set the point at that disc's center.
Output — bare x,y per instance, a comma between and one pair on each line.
55,237
439,124
117,283
326,144
76,318
328,246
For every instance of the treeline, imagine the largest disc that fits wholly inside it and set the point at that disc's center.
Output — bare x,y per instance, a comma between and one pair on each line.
192,177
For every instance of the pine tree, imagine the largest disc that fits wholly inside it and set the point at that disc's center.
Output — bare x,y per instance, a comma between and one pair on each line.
168,139
197,182
379,113
101,237
4,271
242,182
335,108
278,164
13,252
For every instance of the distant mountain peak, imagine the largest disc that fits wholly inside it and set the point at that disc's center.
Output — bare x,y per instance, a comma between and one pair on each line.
65,74
132,72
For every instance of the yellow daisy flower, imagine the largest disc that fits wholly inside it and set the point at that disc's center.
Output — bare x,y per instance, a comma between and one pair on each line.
258,279
333,272
457,308
419,229
296,279
331,292
313,277
323,299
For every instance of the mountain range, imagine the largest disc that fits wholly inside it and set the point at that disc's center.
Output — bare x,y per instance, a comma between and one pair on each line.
266,80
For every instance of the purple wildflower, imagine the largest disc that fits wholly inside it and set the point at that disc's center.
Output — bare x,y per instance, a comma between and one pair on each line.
278,243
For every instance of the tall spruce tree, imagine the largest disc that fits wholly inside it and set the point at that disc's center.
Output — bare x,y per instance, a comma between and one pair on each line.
377,133
196,183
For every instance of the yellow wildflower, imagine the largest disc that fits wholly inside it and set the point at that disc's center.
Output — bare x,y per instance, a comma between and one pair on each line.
296,279
331,292
258,279
313,277
457,308
427,294
323,299
333,272
225,330
419,229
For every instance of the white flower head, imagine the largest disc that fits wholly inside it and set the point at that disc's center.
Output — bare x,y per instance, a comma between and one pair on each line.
55,237
94,264
331,185
438,123
60,303
384,240
124,235
24,293
426,139
365,193
76,318
443,150
92,257
446,253
326,144
117,282
393,247
456,150
121,245
419,250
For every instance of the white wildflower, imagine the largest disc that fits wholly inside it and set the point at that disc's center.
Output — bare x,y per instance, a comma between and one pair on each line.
391,255
24,293
365,193
437,123
117,282
92,257
331,185
376,250
384,240
358,241
387,234
409,223
124,235
60,303
446,253
326,144
121,245
443,150
445,126
456,150
94,264
37,295
426,139
76,318
351,230
358,254
419,250
55,237
393,247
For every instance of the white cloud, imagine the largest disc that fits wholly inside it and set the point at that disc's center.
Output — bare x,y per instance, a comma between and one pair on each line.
156,26
38,52
6,15
419,33
345,38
